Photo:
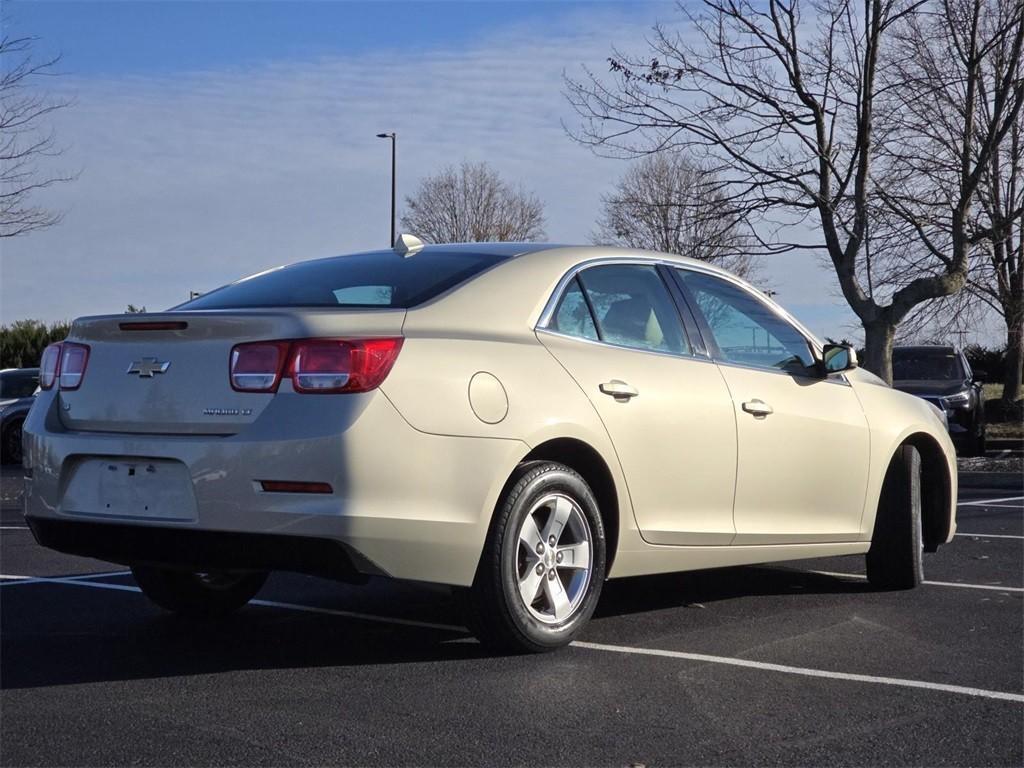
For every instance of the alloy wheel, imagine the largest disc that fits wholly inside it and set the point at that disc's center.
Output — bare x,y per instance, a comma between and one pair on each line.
554,558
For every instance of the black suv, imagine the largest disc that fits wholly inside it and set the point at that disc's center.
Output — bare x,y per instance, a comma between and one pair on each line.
17,393
942,376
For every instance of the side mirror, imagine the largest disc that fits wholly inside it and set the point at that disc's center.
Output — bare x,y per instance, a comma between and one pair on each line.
836,358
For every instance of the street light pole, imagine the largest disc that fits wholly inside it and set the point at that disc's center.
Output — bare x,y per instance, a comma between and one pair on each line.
393,136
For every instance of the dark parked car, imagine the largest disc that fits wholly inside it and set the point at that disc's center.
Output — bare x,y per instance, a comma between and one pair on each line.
943,376
17,393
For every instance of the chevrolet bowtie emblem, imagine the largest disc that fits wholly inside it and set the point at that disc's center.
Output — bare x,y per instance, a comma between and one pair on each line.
148,366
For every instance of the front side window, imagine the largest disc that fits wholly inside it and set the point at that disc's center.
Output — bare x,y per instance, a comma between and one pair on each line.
633,308
746,330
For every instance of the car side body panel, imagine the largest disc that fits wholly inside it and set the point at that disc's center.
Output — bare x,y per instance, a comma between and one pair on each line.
895,417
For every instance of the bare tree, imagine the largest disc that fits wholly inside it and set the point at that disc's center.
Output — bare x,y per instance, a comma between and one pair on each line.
24,137
995,282
783,107
999,279
666,202
472,204
952,102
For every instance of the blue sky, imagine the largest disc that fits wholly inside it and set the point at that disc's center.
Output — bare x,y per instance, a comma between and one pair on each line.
216,139
104,38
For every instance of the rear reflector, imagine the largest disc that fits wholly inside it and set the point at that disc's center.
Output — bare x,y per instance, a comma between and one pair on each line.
154,326
49,366
73,360
289,486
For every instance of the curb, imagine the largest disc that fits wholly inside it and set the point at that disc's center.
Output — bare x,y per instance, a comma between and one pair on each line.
1010,481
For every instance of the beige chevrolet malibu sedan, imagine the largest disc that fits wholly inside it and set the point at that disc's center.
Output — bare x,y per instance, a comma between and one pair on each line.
518,421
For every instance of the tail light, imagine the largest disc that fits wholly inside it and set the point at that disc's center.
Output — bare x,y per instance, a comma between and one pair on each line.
315,366
63,363
73,359
49,366
257,367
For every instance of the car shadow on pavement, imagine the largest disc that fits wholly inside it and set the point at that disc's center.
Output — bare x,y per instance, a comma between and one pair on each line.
677,590
56,634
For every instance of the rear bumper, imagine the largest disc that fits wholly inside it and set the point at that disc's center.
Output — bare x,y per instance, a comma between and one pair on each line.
404,503
199,550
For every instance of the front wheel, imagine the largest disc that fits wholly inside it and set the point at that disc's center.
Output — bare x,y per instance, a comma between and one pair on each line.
895,558
201,595
543,564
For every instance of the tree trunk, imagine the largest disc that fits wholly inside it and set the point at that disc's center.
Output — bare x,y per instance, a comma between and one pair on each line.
878,339
1014,363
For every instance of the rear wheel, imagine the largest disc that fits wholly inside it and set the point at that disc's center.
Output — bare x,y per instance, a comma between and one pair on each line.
543,565
198,594
895,558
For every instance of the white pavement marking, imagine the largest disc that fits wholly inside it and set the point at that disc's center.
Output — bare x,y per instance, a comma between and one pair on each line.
986,502
804,671
79,581
7,581
990,535
862,577
725,660
13,527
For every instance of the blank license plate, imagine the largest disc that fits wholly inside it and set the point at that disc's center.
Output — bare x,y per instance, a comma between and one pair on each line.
143,488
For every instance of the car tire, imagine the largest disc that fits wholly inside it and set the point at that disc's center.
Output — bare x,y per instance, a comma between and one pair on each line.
519,559
10,442
976,446
897,544
199,595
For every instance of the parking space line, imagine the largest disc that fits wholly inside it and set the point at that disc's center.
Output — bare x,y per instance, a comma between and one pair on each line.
987,502
804,671
990,535
862,577
13,527
81,582
725,660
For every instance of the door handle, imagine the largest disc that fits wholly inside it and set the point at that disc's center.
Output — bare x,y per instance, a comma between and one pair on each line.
620,390
759,408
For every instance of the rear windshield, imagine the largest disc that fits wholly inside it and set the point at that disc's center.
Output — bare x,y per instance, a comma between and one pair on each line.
926,364
377,279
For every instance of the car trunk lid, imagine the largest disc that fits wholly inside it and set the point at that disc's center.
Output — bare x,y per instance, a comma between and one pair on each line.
168,373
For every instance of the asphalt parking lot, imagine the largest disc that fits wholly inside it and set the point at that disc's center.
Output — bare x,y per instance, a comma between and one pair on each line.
794,664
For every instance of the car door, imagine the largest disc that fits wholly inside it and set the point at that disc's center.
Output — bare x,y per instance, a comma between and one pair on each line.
617,330
803,439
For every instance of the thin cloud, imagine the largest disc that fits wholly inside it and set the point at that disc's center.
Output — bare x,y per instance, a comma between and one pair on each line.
194,179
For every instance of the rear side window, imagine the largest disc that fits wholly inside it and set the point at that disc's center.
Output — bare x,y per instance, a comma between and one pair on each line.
573,315
633,308
377,279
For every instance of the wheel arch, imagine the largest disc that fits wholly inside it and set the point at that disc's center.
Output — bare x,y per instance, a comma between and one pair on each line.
936,489
588,462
